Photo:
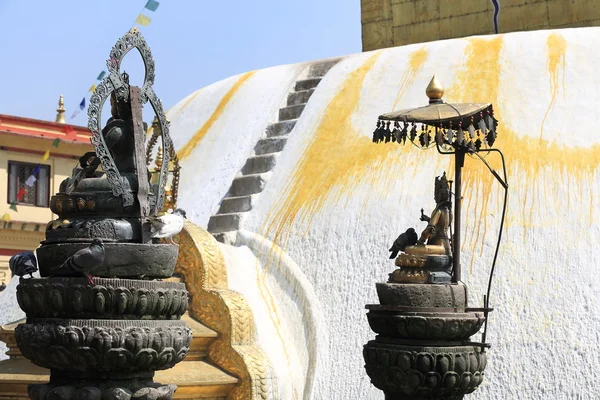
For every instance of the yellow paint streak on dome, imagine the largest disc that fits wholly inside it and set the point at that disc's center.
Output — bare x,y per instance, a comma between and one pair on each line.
176,113
557,48
416,61
533,164
186,150
338,159
337,156
186,103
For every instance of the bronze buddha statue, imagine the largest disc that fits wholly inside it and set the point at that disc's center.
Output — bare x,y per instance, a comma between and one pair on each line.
430,259
86,205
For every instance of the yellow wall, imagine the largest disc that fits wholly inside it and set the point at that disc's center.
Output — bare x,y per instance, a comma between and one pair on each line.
17,236
60,168
389,23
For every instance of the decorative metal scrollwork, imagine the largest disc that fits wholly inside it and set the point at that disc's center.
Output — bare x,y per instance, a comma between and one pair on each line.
114,82
176,171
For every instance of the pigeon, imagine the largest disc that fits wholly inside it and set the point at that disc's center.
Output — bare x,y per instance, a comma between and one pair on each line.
167,225
83,261
23,264
2,287
408,238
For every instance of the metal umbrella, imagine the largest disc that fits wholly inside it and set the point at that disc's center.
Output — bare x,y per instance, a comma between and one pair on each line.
458,129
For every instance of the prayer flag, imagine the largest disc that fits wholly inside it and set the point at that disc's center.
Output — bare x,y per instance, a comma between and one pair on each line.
6,217
101,75
13,206
81,107
56,142
152,5
30,181
37,169
143,20
93,88
20,195
46,155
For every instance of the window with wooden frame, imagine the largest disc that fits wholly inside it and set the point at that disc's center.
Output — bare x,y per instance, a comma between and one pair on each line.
38,194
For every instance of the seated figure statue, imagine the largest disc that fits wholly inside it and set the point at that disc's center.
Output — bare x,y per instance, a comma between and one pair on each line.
85,204
118,137
430,258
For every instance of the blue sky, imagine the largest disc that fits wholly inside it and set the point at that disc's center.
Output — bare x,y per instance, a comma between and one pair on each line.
59,47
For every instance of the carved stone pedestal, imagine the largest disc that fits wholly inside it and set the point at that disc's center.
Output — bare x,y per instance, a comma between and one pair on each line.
103,337
102,341
118,389
422,350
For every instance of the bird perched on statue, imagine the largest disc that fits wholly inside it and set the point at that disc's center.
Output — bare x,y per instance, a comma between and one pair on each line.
23,264
83,261
168,225
408,238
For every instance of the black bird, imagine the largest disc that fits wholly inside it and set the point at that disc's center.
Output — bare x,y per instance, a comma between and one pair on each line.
2,287
83,261
23,264
408,238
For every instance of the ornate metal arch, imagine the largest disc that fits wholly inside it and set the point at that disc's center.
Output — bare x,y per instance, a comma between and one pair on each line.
114,82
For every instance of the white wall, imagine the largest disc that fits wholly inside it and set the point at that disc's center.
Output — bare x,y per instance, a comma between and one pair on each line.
336,201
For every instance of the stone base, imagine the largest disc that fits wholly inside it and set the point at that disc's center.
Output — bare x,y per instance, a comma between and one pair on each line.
121,389
422,350
122,260
404,397
424,372
95,348
422,295
425,325
81,229
75,298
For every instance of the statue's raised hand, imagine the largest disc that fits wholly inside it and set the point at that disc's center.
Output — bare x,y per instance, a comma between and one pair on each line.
424,217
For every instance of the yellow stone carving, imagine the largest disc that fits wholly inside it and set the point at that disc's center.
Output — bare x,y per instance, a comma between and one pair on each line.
202,267
409,276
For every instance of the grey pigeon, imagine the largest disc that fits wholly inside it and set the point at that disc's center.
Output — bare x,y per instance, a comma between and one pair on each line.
83,261
167,225
408,238
23,264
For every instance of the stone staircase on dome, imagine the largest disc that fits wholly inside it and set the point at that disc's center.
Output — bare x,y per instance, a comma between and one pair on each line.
254,175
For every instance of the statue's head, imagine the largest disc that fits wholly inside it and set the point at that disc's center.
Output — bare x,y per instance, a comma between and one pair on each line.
119,108
442,189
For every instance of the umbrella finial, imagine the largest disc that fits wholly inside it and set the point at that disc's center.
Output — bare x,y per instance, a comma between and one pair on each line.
434,91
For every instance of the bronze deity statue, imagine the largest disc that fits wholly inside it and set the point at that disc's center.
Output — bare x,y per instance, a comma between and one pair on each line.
104,337
424,325
436,233
428,259
118,137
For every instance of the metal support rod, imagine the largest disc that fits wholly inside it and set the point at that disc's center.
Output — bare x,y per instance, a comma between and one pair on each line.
485,315
459,162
